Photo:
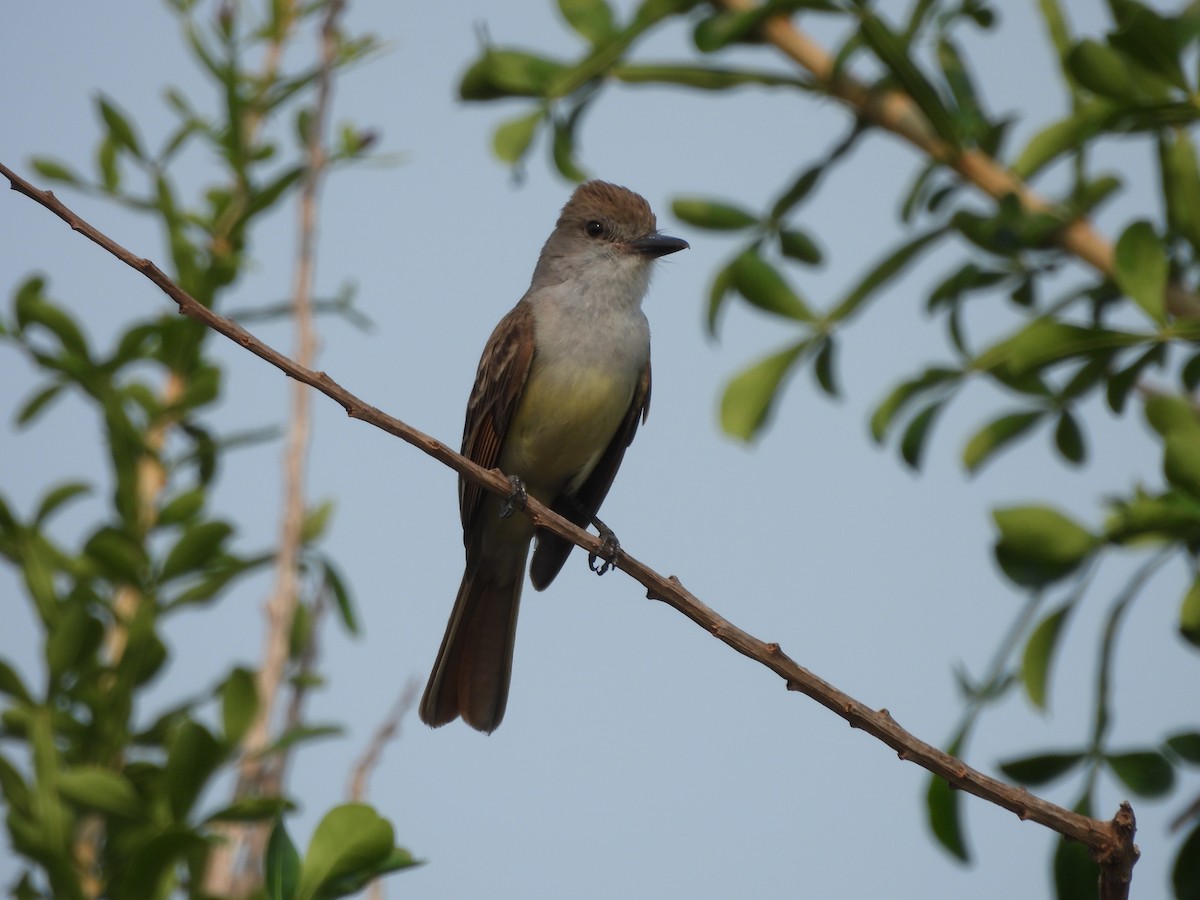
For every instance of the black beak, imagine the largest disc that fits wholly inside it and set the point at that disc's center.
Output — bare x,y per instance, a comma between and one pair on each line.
658,245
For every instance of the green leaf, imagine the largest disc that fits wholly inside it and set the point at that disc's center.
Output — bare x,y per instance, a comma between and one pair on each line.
341,595
762,285
1181,461
1185,876
195,548
704,78
1189,615
562,150
886,270
750,398
904,393
1142,269
192,756
1043,768
1186,745
1103,71
239,704
34,309
151,869
182,507
1045,341
54,170
253,809
894,55
721,288
14,789
73,641
38,403
1151,40
1068,437
1062,137
591,18
509,73
1181,183
102,789
1076,875
724,28
349,838
996,435
912,444
823,367
967,279
281,867
57,498
37,570
12,685
797,245
118,556
119,129
970,120
316,520
1056,26
1089,195
712,214
512,138
944,805
1146,773
1038,657
1170,414
106,162
1038,545
355,882
1122,382
798,190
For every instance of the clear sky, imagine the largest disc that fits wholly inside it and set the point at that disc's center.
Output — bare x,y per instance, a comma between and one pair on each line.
638,757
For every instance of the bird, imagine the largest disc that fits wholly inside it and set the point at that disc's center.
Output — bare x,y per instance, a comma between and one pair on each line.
561,388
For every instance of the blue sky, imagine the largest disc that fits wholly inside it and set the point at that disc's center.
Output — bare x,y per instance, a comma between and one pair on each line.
638,756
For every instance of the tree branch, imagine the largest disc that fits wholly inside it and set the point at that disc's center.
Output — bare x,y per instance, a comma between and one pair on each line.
236,869
386,732
1111,842
896,112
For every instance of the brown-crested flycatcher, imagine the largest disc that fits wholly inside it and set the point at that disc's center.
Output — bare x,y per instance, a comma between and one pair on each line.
562,385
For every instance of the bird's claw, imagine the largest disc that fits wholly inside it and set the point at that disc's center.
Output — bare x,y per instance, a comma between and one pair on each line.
515,500
610,549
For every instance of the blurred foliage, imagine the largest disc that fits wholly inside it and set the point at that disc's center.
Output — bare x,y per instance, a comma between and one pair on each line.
1098,341
105,795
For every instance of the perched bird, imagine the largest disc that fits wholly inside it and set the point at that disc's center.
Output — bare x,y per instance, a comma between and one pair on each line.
560,390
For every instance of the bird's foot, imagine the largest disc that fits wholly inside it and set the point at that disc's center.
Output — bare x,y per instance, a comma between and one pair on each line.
515,500
610,549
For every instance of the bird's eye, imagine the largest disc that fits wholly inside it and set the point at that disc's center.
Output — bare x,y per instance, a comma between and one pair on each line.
594,228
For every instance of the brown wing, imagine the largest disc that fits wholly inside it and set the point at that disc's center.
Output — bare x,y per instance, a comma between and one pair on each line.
499,382
552,551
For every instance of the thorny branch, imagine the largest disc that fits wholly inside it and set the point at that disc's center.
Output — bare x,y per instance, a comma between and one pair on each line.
1110,842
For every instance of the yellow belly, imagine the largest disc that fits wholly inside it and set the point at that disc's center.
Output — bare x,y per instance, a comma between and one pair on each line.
562,426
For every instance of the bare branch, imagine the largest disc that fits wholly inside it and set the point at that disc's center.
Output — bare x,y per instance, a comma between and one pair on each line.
1111,843
260,773
388,731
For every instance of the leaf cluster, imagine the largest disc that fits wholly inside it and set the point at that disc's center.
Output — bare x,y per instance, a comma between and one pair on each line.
105,795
